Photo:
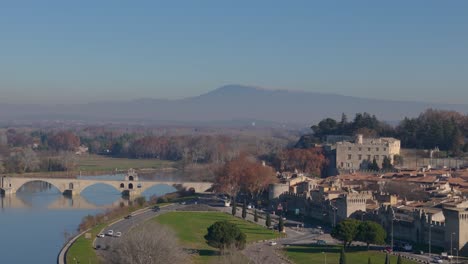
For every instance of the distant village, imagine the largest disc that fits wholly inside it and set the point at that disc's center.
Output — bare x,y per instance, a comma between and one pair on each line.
422,204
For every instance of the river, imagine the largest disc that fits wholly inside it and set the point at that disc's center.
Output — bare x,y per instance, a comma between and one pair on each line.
36,221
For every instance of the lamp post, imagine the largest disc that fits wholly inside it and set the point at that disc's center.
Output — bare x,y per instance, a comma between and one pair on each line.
334,215
451,243
456,260
325,257
430,239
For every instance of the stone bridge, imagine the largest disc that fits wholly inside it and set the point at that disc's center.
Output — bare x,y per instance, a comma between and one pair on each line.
130,186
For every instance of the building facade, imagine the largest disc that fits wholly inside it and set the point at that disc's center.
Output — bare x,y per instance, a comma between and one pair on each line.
358,154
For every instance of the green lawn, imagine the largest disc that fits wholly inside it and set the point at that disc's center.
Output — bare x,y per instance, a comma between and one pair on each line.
103,163
316,254
82,250
190,227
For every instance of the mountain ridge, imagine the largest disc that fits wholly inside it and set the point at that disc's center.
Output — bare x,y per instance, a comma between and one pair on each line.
229,102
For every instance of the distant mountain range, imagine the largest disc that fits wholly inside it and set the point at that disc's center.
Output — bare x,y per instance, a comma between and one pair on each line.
230,104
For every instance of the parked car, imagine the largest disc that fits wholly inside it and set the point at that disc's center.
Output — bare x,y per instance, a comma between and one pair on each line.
437,260
110,232
118,234
272,243
100,235
156,208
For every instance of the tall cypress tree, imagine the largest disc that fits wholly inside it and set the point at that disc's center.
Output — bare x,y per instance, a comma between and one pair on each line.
255,216
369,261
234,207
281,224
268,220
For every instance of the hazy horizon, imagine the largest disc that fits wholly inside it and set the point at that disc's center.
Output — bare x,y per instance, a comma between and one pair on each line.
89,51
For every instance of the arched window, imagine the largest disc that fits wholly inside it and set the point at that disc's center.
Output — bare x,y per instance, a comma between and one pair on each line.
130,178
122,185
70,186
130,186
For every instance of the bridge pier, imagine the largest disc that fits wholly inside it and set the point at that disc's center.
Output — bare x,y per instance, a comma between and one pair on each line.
70,193
131,194
5,191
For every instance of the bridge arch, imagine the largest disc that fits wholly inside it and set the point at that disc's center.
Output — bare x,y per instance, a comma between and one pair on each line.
116,187
55,185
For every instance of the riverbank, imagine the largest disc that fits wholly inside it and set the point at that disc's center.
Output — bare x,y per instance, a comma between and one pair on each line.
82,248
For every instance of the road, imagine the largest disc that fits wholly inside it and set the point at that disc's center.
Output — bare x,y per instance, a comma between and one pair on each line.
124,226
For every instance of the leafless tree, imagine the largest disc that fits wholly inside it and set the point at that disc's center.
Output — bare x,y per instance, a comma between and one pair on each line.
151,243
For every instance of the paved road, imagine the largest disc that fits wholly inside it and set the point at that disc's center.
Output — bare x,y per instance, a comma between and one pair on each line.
125,225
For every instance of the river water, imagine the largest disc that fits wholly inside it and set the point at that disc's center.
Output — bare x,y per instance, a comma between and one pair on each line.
36,221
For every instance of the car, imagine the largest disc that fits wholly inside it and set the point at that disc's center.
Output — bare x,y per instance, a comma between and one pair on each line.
110,232
272,243
128,216
182,203
437,260
321,242
156,208
118,234
100,235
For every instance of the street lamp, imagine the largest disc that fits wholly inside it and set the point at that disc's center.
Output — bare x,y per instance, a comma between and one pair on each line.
430,239
325,257
334,215
451,243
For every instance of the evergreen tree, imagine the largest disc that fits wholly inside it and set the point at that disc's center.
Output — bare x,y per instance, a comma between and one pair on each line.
268,220
244,210
342,256
255,216
387,164
399,260
234,207
281,224
374,166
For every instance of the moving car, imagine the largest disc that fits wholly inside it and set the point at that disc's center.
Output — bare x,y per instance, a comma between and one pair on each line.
100,235
437,260
321,242
110,232
272,243
156,208
128,216
118,234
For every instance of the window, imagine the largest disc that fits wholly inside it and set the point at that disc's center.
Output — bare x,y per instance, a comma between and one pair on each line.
360,149
349,148
368,149
376,157
342,164
368,157
349,156
360,157
384,149
377,149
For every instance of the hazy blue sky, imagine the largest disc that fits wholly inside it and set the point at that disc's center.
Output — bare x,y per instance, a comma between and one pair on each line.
79,51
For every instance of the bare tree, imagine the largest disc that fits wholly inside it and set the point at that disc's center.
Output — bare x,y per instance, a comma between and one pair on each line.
151,243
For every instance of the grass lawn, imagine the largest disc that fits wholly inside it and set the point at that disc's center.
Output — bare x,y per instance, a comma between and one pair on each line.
82,250
313,254
103,163
191,227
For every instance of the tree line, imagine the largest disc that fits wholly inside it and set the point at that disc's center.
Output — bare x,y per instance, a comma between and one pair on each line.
446,130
